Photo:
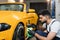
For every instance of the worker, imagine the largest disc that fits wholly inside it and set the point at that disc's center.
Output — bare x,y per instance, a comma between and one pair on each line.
52,27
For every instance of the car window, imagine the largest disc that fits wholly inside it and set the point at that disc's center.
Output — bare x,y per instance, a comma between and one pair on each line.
11,7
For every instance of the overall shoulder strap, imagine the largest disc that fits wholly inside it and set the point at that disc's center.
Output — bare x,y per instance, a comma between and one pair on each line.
50,25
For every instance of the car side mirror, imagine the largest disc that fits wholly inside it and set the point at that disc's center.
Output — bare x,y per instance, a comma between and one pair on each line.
31,11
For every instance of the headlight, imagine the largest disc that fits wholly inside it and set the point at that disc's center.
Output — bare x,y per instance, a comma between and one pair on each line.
4,26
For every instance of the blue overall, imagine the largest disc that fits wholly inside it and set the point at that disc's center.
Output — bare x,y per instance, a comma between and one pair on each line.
45,34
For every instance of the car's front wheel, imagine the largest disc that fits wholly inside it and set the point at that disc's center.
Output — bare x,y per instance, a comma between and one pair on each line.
19,32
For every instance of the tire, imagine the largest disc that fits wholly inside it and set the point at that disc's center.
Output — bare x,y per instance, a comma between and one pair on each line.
19,32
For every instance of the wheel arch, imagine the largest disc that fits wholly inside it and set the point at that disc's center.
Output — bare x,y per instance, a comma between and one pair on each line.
16,28
21,23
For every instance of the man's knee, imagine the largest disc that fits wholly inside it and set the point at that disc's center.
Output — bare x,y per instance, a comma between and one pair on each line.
41,33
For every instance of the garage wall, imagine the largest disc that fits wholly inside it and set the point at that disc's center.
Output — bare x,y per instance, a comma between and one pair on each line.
36,0
3,0
38,6
26,0
57,2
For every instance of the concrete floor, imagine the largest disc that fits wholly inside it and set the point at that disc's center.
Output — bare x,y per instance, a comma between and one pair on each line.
34,38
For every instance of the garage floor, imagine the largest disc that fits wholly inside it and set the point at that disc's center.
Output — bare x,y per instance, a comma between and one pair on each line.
33,38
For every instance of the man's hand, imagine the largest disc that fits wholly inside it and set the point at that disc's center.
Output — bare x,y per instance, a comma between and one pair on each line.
31,32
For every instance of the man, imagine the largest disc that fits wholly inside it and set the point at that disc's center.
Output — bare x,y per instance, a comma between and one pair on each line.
52,27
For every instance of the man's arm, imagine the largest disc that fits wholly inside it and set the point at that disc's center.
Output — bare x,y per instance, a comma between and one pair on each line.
50,36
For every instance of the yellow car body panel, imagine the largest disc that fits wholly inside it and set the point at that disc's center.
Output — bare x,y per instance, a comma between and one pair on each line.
13,18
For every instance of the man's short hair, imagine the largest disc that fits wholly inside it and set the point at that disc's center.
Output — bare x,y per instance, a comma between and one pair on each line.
44,13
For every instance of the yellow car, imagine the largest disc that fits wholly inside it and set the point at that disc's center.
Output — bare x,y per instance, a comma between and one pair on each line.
14,19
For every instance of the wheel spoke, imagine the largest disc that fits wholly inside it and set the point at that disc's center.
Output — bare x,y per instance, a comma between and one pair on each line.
20,33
